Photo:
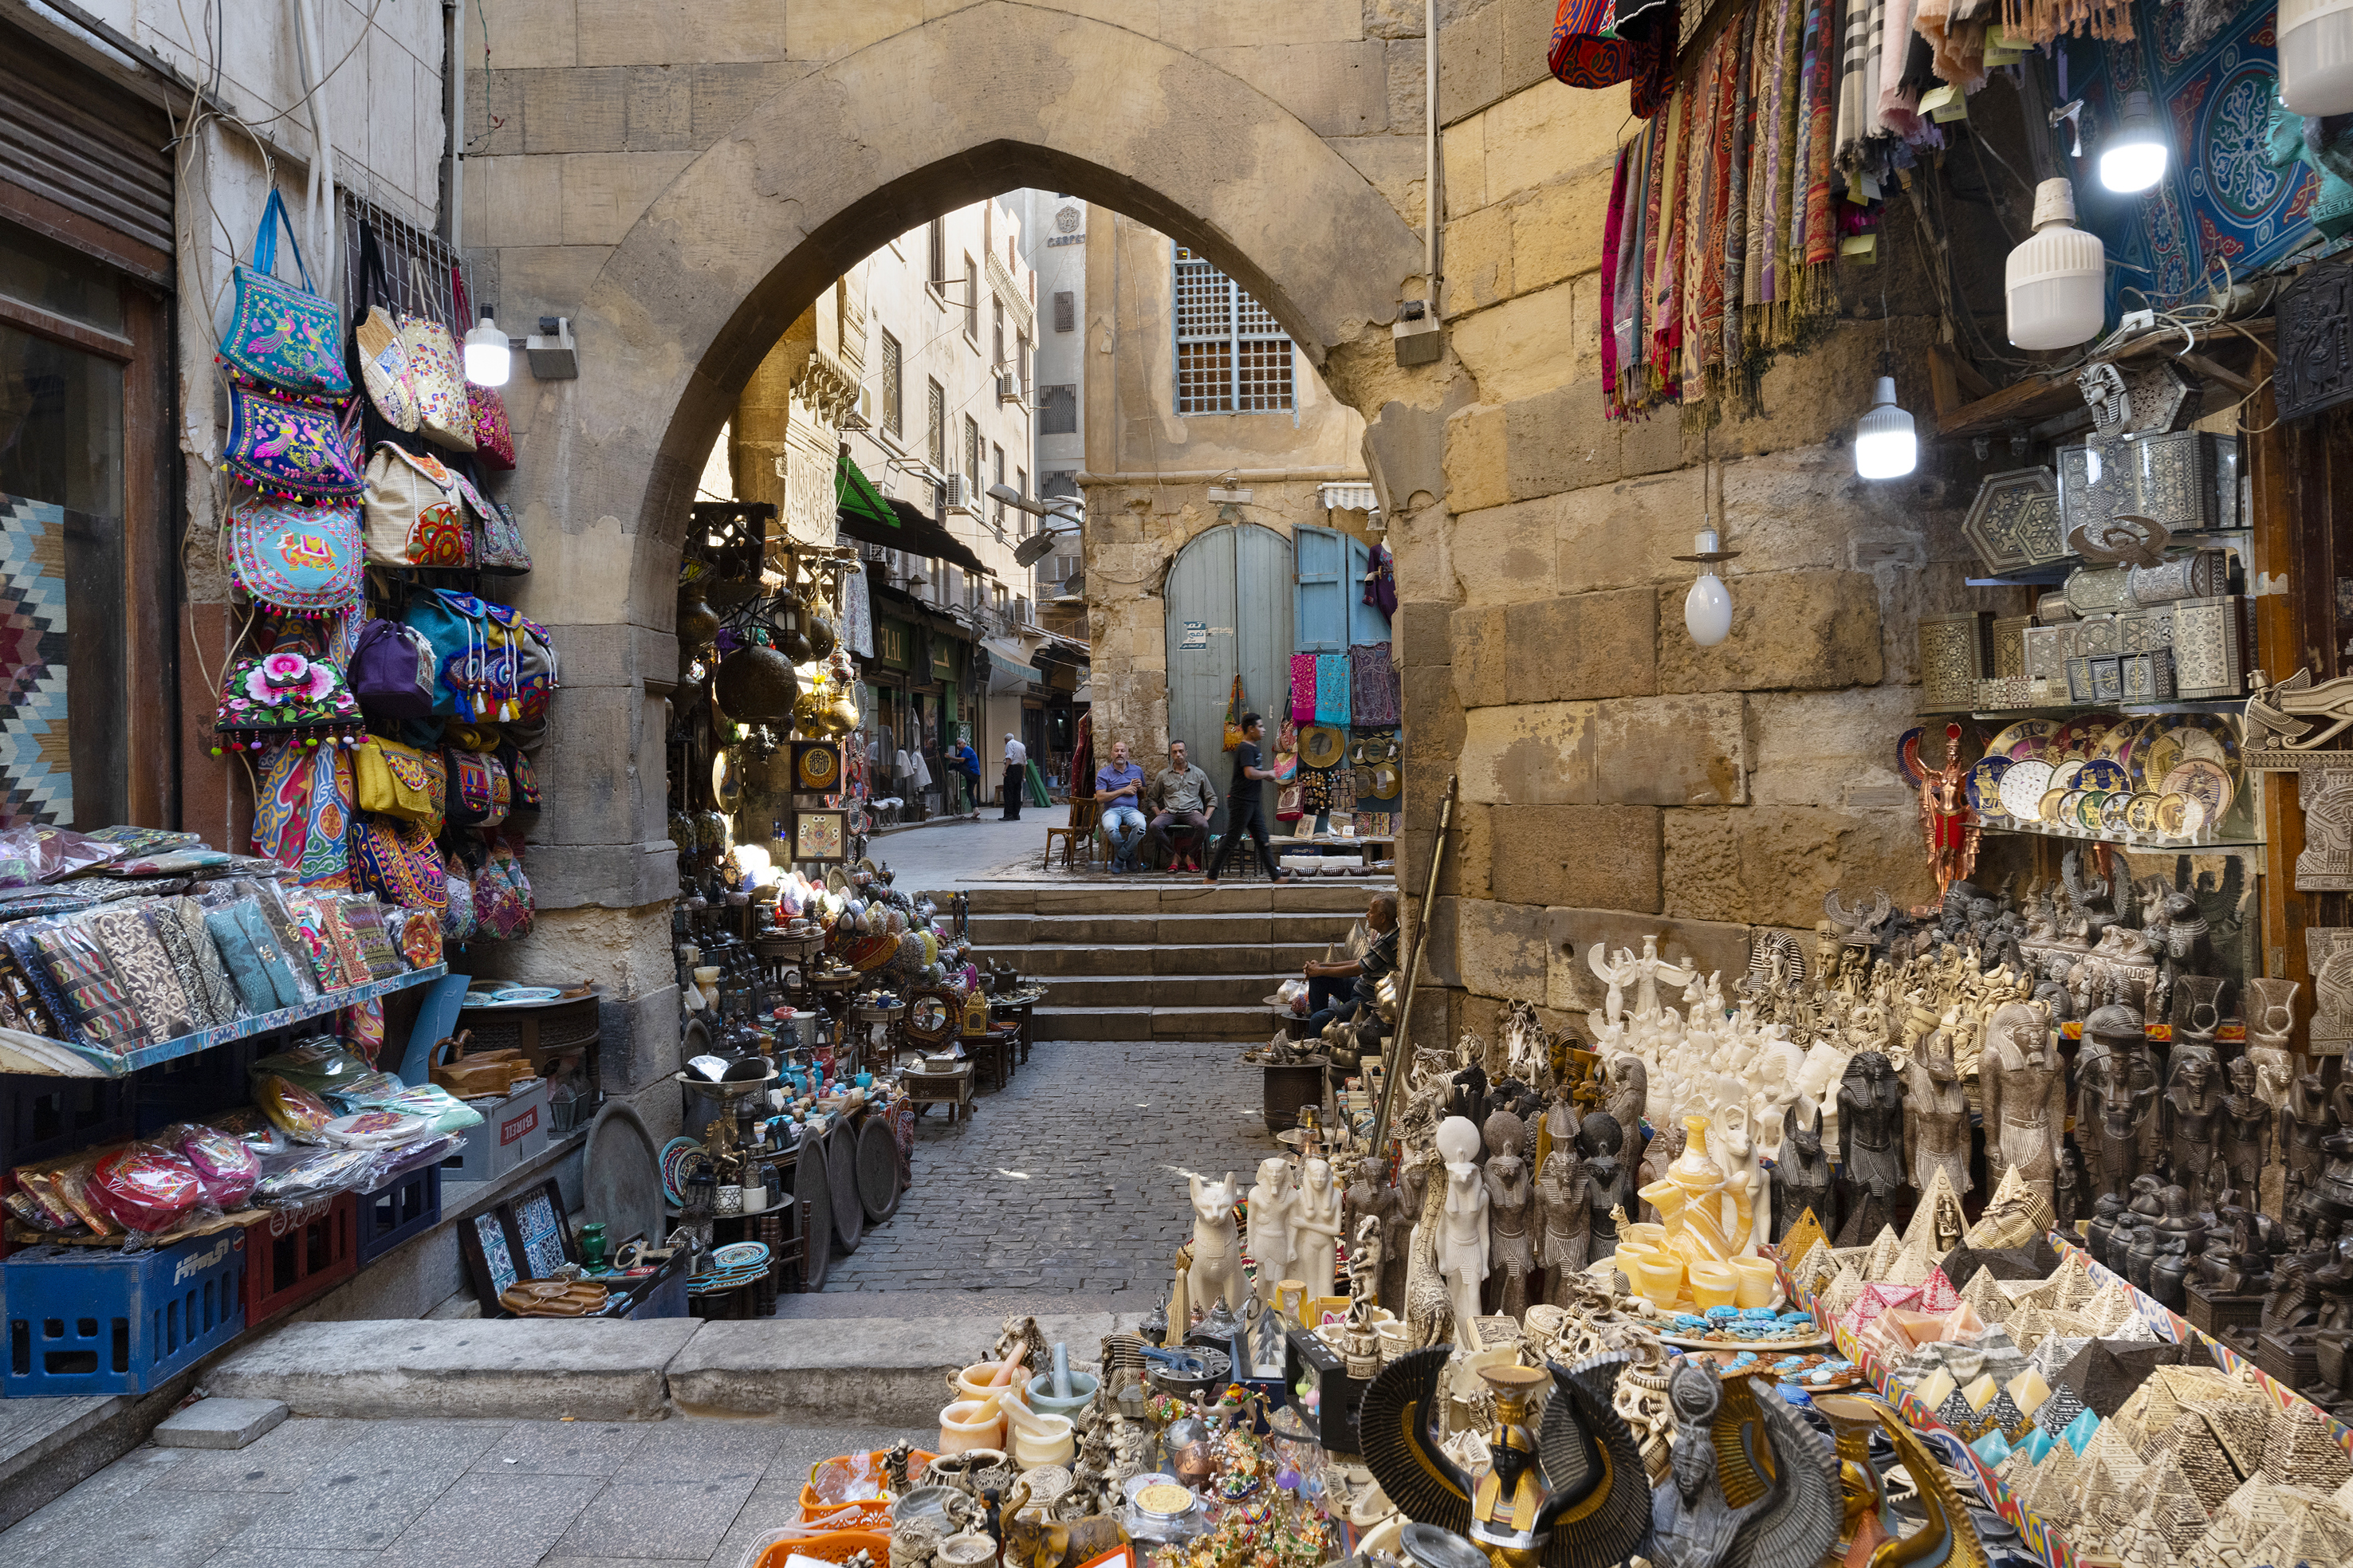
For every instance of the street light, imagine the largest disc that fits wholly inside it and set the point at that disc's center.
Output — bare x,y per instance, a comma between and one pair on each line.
1060,506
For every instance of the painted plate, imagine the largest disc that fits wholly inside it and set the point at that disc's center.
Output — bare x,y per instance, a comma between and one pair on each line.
2117,742
1985,784
2205,781
2212,736
2067,773
2115,812
738,1255
2024,740
2022,787
2080,737
2100,774
2180,815
2051,810
2086,813
2141,814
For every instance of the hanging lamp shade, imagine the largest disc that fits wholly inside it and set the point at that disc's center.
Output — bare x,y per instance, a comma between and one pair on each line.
2056,280
2316,56
1886,444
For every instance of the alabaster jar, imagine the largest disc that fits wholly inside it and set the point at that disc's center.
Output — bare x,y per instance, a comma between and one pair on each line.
970,1423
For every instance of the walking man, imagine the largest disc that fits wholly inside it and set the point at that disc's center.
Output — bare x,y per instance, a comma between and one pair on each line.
1246,804
1016,765
1181,794
967,765
1119,784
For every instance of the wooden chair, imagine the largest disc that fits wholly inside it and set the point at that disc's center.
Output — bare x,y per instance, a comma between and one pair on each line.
1078,837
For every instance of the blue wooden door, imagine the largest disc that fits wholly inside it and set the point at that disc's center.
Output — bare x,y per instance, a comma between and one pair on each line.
1229,612
1330,611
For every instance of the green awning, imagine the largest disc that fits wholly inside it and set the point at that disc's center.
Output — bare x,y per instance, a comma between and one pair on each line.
855,494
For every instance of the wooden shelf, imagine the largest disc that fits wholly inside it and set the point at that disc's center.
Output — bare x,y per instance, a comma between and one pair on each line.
1967,405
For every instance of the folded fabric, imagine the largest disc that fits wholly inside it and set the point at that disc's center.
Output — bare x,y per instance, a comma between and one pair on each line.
1302,688
210,976
277,960
237,948
1332,689
144,969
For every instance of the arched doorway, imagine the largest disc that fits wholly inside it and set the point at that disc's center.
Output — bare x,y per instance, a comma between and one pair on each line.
1229,613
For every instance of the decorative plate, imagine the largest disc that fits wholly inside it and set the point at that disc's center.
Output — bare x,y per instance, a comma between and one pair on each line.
2140,815
2204,781
2088,808
2115,812
2051,810
740,1254
2117,742
2100,774
2080,737
2180,815
514,996
2022,740
2022,787
1985,784
2067,773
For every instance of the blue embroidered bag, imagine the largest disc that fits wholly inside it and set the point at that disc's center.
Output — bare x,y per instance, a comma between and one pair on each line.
284,335
297,450
303,559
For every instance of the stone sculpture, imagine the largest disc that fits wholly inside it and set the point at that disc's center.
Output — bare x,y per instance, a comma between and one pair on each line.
1605,1184
1871,1154
1462,1233
1429,1310
1936,1118
1563,1221
1511,1203
2117,1097
1802,1182
1692,1522
1272,1201
2189,1125
2024,1084
1316,1229
1216,1271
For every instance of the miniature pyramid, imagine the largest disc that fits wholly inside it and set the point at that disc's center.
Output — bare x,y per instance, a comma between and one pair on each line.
1815,1269
2240,1426
2029,1326
2250,1513
2300,1450
1885,1248
1936,1292
2075,1284
2144,1545
1909,1268
2112,1311
2171,1500
2062,1409
2323,1533
1984,1293
1920,1235
1840,1296
2053,1491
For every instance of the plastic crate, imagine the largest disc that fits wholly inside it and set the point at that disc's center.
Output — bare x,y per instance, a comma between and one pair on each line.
295,1254
41,1118
407,1205
192,1088
513,1129
96,1320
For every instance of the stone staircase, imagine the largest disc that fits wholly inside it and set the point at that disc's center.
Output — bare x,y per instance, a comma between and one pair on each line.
1163,960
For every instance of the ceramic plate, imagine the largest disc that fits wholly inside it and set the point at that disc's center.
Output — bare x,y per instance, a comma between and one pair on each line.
2100,774
2088,808
2022,787
2024,740
2080,737
738,1255
2141,814
2115,812
2180,815
2050,811
1985,784
2067,773
2204,781
2117,742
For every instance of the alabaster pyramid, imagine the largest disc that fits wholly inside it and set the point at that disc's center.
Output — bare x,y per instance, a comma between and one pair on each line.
1885,1249
2251,1512
1983,1293
2015,1216
2322,1533
2144,1545
1920,1235
2301,1450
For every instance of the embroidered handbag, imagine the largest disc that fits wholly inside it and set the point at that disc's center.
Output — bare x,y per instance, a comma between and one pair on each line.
459,922
400,781
492,663
280,334
304,560
392,672
502,896
498,539
289,695
524,776
437,377
296,450
493,441
480,794
382,358
413,513
400,863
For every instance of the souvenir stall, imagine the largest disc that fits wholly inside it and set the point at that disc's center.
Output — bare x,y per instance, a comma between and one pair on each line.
1339,761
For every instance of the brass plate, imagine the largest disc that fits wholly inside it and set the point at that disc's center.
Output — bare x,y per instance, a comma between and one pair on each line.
2140,815
2205,782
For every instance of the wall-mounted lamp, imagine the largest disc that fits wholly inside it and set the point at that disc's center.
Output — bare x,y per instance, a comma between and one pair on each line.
488,358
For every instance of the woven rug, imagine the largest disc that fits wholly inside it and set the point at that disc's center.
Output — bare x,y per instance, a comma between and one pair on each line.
36,764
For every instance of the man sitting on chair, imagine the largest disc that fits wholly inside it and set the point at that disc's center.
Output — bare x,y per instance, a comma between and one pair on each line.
1182,794
1119,786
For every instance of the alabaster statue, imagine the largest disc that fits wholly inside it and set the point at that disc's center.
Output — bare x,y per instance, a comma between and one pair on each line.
2025,1090
1316,1229
1936,1118
1463,1238
1216,1274
1272,1201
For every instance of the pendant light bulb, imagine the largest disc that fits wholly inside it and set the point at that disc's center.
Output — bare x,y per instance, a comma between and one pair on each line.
2316,56
1707,608
2133,159
488,358
1885,446
2056,282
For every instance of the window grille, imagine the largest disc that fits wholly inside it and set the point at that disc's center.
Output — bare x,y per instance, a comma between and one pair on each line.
935,438
1066,311
1057,411
972,458
893,410
1231,355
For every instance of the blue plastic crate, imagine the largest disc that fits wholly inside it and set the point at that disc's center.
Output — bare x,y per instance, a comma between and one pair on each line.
42,1117
407,1206
197,1087
87,1320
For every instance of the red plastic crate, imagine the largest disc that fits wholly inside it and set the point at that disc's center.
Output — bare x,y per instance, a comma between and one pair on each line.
295,1254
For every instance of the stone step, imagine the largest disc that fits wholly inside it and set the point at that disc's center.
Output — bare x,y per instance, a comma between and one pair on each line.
1324,894
1177,930
1053,961
1098,991
1243,1024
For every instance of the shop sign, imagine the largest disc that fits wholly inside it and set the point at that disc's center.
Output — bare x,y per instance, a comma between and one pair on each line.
890,642
1195,634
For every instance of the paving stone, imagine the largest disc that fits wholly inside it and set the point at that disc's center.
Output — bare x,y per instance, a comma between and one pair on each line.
492,1521
703,1450
219,1423
561,1449
686,1520
280,1460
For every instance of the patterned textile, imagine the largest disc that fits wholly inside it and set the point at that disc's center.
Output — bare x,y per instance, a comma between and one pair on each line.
301,816
36,764
1302,689
1815,114
2234,193
1372,684
1330,689
139,960
857,628
1613,235
1588,50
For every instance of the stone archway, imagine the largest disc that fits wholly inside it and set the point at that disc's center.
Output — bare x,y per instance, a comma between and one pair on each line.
744,237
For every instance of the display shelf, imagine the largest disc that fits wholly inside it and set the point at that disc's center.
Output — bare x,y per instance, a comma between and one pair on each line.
2142,843
106,1064
2233,705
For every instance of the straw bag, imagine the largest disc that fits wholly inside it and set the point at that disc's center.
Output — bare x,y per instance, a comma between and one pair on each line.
437,376
413,514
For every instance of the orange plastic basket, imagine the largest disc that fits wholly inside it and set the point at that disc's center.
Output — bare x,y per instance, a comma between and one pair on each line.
812,1504
829,1546
872,1515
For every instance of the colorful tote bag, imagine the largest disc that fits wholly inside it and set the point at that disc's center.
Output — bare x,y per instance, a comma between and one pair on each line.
412,511
383,361
291,694
281,334
302,815
295,450
400,781
400,863
304,560
499,548
437,377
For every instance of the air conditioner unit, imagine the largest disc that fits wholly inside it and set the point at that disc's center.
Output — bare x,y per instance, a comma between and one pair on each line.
958,497
863,416
1009,387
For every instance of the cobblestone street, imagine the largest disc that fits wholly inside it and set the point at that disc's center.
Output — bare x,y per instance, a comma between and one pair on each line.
1068,1182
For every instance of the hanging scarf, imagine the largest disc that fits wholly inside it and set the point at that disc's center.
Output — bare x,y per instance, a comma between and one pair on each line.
1704,252
1858,90
1613,230
1626,311
302,815
1741,194
1818,239
1899,103
1666,228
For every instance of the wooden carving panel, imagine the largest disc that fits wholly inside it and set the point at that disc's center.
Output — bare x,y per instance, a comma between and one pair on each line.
2329,950
2316,341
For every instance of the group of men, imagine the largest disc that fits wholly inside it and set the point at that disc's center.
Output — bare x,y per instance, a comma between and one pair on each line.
1181,795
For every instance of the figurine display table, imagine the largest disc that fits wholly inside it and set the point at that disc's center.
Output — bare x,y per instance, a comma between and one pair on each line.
952,1089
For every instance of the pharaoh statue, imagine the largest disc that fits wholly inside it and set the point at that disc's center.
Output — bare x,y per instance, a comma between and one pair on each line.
2025,1087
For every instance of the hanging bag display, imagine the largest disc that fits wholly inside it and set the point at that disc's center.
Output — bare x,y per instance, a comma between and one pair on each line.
392,672
480,794
492,664
282,335
297,451
399,781
459,923
1234,736
304,560
437,376
399,862
383,361
413,512
493,441
291,694
499,548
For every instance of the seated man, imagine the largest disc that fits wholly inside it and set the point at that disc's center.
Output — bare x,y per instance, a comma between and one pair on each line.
1340,988
1119,786
1182,794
